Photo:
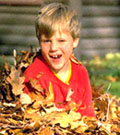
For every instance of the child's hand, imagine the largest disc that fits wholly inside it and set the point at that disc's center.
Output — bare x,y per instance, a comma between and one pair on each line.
25,99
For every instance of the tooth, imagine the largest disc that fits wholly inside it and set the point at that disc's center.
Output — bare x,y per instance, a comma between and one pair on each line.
55,56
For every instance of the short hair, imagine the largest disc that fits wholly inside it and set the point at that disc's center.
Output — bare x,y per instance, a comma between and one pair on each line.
56,16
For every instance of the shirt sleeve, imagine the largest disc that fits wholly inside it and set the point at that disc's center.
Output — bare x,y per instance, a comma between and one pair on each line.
28,88
35,74
86,108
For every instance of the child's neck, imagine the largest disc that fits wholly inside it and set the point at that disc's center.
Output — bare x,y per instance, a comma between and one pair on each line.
64,76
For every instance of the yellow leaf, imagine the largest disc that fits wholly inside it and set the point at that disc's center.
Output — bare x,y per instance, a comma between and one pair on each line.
46,131
50,96
12,121
34,116
25,99
81,129
70,92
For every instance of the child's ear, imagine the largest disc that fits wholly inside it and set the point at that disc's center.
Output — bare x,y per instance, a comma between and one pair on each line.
75,42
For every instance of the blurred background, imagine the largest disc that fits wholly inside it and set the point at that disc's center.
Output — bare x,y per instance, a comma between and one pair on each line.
100,32
99,46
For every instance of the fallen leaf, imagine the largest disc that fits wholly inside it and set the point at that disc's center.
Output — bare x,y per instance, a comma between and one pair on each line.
16,80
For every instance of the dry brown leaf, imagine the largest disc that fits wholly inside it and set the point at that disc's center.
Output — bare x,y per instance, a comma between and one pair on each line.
46,131
63,118
40,96
33,116
16,80
81,129
34,83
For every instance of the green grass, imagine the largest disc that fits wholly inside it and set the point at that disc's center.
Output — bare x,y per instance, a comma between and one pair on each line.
115,88
106,70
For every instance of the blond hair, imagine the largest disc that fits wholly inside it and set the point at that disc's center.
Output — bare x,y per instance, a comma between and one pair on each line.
56,16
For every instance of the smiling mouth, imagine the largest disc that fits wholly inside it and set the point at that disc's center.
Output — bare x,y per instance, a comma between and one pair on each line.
55,56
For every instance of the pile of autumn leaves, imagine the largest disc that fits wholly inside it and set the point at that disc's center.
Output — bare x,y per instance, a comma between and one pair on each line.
37,115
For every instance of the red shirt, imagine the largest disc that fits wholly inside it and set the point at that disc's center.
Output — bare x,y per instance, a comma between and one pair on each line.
78,83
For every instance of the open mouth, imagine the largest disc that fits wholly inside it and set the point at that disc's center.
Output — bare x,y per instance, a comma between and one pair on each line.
55,56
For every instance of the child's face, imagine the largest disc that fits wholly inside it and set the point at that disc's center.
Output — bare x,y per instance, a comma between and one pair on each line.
57,50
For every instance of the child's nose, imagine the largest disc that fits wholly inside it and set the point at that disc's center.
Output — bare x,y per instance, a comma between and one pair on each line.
53,46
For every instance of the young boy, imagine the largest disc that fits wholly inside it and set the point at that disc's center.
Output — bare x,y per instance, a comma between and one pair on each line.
58,30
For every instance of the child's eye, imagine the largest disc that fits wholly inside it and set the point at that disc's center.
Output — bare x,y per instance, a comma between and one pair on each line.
61,40
46,41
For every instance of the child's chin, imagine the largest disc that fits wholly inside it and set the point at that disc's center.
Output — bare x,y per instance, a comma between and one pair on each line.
55,69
